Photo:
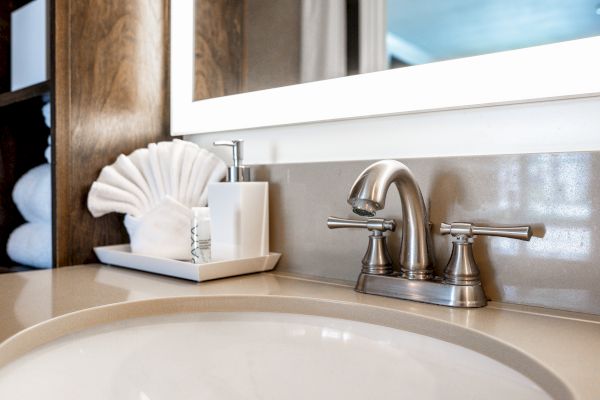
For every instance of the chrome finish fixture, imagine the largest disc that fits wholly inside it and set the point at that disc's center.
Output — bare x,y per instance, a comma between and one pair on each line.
377,258
460,285
236,172
470,230
368,196
372,224
433,291
462,268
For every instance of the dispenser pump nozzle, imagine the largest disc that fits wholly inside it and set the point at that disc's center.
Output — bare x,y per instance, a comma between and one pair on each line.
237,172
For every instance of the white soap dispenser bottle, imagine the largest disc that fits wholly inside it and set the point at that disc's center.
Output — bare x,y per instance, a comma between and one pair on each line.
239,211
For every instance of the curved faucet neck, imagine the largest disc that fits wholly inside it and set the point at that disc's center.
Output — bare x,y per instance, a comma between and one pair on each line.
368,195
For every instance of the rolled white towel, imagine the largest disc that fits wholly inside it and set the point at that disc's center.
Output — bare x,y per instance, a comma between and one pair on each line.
48,151
31,244
47,115
33,194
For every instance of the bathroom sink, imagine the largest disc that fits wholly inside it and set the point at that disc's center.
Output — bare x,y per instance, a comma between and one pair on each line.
253,347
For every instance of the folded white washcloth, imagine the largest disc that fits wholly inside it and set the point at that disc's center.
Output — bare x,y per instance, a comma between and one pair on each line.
164,231
33,194
156,187
31,244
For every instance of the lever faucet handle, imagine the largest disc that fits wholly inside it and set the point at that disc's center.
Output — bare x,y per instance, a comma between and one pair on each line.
467,229
372,224
462,268
377,259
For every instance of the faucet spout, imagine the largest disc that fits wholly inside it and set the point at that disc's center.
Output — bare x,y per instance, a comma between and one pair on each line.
367,196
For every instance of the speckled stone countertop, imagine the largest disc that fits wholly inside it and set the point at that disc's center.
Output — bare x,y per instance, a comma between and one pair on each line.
565,343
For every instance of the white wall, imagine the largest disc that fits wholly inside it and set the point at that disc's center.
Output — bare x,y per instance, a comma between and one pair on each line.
547,126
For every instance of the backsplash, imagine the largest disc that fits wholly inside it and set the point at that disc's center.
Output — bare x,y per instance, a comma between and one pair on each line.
556,193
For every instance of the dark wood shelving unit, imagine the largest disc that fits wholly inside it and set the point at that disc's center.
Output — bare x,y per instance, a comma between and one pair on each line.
23,139
97,109
23,134
30,92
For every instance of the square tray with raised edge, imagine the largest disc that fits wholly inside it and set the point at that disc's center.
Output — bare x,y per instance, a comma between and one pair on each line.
120,255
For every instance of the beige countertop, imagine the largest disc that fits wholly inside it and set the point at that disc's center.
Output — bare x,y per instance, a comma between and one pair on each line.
565,343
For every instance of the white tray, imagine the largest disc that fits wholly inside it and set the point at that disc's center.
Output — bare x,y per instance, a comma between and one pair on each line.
121,255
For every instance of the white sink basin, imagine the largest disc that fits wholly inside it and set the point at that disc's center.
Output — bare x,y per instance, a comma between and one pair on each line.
181,352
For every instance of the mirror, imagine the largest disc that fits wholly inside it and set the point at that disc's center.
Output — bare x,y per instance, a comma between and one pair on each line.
236,64
243,46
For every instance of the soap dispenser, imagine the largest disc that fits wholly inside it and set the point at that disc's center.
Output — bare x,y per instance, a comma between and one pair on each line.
239,211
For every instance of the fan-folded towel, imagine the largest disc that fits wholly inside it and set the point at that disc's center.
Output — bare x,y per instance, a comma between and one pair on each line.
156,187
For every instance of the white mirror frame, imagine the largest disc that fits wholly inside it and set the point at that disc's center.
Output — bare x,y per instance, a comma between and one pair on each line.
556,71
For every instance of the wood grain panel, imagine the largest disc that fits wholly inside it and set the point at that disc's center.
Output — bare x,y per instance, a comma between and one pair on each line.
218,48
111,97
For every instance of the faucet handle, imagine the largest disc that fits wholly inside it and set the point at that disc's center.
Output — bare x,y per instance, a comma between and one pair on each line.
468,229
377,260
462,268
372,224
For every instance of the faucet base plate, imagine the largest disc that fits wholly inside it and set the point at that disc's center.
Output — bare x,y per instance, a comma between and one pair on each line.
433,292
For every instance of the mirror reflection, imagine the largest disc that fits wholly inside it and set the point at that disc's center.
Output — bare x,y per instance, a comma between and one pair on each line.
248,45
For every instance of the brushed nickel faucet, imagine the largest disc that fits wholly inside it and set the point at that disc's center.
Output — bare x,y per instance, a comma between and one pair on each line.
460,285
367,196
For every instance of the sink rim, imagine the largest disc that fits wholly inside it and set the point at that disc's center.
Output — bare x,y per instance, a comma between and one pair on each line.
45,332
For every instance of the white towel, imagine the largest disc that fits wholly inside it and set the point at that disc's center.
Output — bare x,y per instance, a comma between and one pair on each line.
156,188
165,231
31,244
47,115
48,151
33,194
48,120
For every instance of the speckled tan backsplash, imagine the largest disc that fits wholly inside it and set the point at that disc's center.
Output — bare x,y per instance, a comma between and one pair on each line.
558,194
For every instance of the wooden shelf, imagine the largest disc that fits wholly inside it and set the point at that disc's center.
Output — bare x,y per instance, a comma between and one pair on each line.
27,93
